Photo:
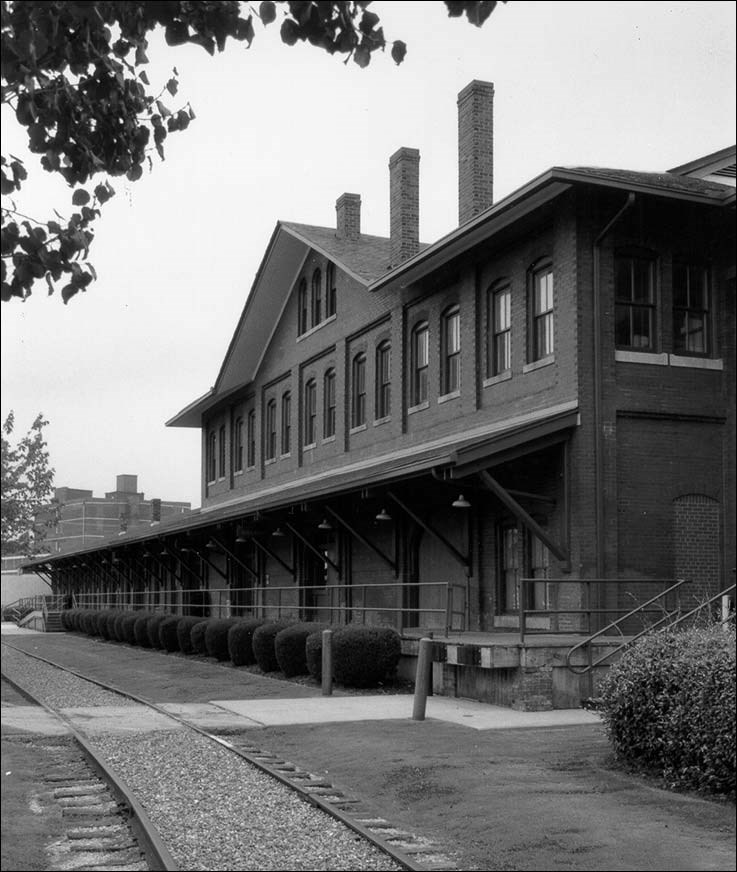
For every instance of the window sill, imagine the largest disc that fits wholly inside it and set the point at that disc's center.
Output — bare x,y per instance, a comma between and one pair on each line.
539,364
359,429
495,379
316,328
384,420
328,439
285,456
453,395
269,461
309,447
418,408
251,467
649,357
237,473
715,363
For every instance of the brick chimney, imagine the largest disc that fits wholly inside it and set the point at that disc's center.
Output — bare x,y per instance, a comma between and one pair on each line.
475,149
348,217
404,204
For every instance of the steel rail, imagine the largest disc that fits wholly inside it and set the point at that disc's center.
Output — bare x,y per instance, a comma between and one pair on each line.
258,760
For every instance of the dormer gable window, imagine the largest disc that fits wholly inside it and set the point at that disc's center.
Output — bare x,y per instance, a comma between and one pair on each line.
316,297
302,310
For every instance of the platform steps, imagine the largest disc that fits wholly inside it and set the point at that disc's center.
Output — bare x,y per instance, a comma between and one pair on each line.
52,622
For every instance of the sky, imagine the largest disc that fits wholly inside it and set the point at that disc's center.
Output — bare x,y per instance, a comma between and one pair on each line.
280,133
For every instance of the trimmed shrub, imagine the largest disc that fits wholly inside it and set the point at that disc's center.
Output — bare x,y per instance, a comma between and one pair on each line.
216,637
67,619
88,622
140,629
365,656
103,626
111,623
240,641
118,631
128,627
197,637
289,647
263,644
168,639
152,628
669,708
313,655
184,631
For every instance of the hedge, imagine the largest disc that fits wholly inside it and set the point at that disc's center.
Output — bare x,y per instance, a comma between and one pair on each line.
140,629
184,633
216,637
240,641
152,629
168,638
365,656
313,655
289,647
128,627
669,708
197,637
263,644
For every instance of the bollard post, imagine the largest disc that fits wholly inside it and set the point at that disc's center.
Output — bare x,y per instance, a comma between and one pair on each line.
327,662
422,679
727,612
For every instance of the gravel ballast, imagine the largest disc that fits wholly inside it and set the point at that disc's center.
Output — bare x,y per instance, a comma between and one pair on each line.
212,808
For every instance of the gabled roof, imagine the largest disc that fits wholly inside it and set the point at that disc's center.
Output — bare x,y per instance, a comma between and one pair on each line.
720,164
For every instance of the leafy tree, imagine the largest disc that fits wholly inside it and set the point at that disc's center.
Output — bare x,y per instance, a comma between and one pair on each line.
27,482
73,73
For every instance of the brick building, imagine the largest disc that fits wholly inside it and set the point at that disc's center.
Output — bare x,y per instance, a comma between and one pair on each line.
401,432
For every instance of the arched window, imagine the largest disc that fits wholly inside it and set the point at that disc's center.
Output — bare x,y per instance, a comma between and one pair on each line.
211,453
251,439
286,423
221,452
419,351
310,412
331,291
271,430
316,297
238,445
328,397
499,335
383,380
451,351
358,391
302,310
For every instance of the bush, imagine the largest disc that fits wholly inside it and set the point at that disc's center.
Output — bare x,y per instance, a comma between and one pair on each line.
240,641
140,629
152,629
289,647
103,623
118,631
216,637
197,637
365,656
263,644
128,627
67,619
184,633
168,639
111,624
313,655
88,622
669,708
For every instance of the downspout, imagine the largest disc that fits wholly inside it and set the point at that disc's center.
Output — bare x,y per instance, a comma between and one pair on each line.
598,442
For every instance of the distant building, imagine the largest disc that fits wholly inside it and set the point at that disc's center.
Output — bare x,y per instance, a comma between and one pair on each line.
76,519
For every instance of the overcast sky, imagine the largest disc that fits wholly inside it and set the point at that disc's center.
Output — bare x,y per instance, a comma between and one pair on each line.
280,133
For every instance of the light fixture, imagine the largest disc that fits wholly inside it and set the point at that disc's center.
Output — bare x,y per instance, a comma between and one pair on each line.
279,533
461,503
164,552
116,559
147,553
103,562
383,516
241,535
212,546
325,525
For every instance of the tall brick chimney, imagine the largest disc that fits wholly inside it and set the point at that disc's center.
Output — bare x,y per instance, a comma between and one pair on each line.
348,217
475,149
404,204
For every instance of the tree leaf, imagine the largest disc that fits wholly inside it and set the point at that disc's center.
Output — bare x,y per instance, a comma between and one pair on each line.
399,50
80,197
267,11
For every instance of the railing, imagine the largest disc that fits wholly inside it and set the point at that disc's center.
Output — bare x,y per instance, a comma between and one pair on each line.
334,603
17,610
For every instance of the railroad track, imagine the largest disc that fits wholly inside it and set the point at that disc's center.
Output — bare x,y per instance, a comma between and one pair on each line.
405,849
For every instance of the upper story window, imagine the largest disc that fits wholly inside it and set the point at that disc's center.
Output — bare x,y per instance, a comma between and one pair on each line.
210,456
499,340
358,391
328,398
419,361
271,430
251,439
331,291
302,310
310,412
383,380
221,452
691,309
238,445
541,311
451,351
634,288
316,297
286,423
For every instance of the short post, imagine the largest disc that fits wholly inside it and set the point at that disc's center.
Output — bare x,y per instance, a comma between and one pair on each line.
422,679
727,612
327,662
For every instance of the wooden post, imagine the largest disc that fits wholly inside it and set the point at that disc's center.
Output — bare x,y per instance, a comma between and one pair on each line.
327,662
422,679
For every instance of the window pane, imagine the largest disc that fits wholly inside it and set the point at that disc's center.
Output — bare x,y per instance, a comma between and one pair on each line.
623,278
680,285
641,327
643,283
